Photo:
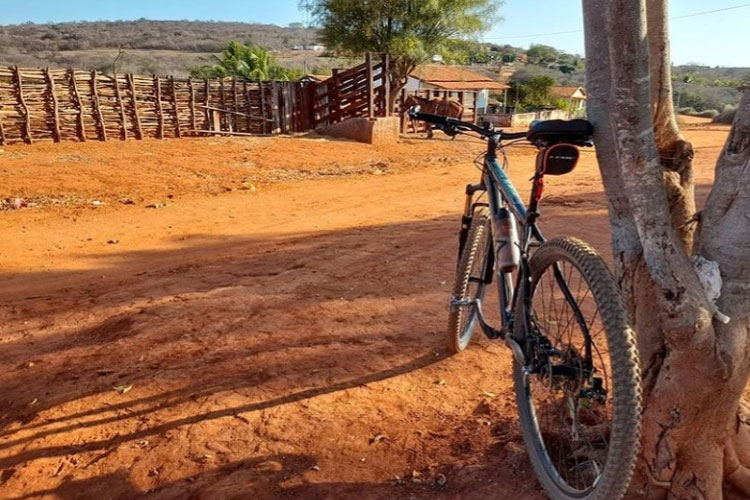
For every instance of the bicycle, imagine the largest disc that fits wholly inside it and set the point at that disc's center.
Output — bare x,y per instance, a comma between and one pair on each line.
575,363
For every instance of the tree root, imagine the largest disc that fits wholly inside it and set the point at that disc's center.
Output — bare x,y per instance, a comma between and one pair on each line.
737,453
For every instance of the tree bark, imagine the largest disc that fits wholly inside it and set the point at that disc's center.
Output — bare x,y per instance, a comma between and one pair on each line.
691,439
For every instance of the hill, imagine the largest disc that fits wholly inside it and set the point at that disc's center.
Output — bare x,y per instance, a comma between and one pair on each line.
165,47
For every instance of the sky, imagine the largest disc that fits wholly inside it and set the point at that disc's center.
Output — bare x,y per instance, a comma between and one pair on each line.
715,39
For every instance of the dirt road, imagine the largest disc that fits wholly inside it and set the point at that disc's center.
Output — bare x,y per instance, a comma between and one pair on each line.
276,330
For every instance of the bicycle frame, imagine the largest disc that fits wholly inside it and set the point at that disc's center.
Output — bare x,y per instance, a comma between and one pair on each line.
502,194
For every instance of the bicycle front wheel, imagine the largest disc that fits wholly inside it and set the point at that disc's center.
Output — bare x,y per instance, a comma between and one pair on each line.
579,397
470,281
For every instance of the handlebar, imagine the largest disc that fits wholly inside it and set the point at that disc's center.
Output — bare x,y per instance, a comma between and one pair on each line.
449,124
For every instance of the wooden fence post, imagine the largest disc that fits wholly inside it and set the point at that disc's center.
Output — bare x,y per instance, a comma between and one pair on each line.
402,110
159,108
222,96
370,87
262,89
173,88
474,108
387,85
248,107
22,104
275,108
134,103
81,124
121,106
207,102
55,105
193,122
236,116
97,107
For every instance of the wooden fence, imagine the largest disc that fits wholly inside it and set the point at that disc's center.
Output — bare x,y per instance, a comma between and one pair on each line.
363,90
53,104
57,104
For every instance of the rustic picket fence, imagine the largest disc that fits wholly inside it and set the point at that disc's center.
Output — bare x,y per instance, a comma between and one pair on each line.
67,104
55,104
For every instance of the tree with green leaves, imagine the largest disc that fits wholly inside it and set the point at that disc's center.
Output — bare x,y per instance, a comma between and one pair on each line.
409,31
532,93
542,54
246,61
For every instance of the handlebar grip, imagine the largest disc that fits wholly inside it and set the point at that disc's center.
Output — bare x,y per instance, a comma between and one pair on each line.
514,135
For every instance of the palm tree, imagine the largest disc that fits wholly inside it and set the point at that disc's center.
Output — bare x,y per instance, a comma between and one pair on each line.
246,61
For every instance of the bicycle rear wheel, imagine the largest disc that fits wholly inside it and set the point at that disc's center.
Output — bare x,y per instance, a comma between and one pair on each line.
579,398
470,280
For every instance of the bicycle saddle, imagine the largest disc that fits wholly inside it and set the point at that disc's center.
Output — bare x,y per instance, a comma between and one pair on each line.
577,132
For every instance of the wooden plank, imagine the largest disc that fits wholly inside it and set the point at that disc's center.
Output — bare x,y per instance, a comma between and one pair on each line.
207,101
262,88
22,104
121,106
159,108
177,130
227,111
223,97
55,105
81,124
221,132
97,108
275,108
236,103
248,107
370,86
193,123
387,85
134,103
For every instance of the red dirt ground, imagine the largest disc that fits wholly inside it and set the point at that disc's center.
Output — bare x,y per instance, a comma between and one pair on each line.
279,323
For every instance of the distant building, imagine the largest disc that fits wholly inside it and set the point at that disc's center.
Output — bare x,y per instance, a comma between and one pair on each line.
313,47
456,79
574,95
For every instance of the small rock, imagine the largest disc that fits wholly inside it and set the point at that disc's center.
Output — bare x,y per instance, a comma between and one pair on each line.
378,438
315,468
156,205
127,202
113,242
441,480
96,203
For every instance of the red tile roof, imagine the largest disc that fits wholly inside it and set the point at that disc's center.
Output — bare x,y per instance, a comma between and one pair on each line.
455,78
566,91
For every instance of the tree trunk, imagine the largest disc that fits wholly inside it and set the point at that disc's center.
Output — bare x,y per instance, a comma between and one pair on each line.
400,69
691,439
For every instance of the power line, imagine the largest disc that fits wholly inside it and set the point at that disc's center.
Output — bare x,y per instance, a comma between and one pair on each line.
581,31
712,11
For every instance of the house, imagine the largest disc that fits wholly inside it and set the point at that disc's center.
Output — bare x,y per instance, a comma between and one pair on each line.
456,79
573,95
